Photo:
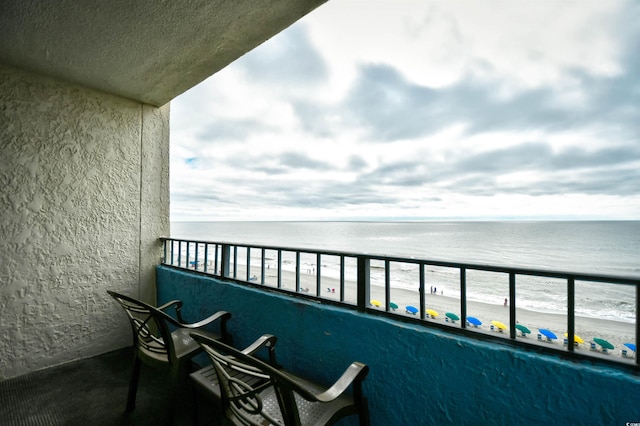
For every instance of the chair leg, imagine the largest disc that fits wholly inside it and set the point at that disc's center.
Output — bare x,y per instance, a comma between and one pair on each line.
133,383
182,395
364,413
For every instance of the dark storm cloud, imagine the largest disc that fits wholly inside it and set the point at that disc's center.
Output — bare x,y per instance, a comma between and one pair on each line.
288,60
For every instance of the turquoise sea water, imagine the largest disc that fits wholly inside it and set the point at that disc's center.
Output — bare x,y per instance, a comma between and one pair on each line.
602,247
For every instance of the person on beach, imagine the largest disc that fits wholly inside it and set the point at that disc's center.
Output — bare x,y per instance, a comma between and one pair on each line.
505,302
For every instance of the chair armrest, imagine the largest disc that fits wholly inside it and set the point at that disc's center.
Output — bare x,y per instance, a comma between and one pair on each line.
221,315
265,341
178,307
354,374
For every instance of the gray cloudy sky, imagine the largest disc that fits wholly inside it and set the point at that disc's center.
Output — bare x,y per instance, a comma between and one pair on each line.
420,110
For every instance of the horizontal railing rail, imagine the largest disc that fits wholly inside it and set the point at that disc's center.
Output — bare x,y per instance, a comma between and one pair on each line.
222,259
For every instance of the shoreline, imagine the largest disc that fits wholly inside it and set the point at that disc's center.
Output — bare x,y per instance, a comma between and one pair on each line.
615,332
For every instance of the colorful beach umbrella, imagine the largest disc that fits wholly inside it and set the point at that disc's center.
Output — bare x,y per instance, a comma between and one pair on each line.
411,310
603,343
547,333
393,306
452,316
432,313
576,338
376,303
500,326
631,346
474,321
524,330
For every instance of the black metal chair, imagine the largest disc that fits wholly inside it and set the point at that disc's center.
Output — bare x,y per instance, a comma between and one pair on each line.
254,392
155,343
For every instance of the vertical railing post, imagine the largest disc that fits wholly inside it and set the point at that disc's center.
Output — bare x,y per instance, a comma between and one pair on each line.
248,263
364,281
571,313
206,257
186,265
279,268
297,272
195,265
463,297
342,278
387,284
423,306
225,263
263,254
512,305
215,260
318,274
235,262
164,251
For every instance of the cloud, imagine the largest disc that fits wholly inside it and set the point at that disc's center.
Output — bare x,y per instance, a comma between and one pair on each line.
231,130
289,60
311,122
389,107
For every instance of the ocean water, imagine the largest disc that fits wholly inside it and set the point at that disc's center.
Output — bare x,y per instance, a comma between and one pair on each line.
592,247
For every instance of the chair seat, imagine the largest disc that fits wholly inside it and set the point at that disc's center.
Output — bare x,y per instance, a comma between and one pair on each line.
185,346
310,412
253,395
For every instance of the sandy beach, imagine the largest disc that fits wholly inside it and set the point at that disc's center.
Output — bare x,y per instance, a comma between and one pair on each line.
615,332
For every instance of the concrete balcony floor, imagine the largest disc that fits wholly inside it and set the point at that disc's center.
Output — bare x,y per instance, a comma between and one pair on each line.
92,392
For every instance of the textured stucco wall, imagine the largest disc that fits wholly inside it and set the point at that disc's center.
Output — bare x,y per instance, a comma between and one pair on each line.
418,376
83,198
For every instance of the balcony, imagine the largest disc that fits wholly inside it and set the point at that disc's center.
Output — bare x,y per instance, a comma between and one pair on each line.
85,193
422,371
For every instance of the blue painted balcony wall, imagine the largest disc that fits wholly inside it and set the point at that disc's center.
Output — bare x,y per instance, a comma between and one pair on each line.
418,375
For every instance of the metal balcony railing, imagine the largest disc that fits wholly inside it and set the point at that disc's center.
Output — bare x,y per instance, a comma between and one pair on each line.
248,264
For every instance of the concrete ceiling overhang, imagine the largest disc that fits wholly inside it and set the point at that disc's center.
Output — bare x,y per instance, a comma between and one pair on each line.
147,50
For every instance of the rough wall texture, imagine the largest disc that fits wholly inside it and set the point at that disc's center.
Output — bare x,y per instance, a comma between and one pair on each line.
418,376
83,199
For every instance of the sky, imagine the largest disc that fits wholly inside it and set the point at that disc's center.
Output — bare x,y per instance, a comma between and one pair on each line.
420,110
